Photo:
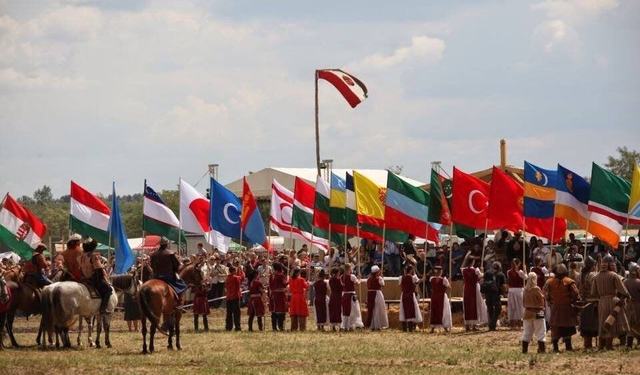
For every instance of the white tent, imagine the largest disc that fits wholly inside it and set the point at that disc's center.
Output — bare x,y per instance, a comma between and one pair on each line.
10,255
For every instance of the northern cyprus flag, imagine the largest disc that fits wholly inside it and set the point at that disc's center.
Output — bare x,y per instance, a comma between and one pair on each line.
194,217
89,214
20,229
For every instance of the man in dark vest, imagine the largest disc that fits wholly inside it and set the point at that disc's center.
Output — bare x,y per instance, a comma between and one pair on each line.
93,272
35,268
165,265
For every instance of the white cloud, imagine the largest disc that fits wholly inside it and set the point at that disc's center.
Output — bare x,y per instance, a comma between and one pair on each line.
557,35
39,80
422,50
575,11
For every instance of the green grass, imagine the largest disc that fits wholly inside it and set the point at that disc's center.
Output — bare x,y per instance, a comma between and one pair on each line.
311,352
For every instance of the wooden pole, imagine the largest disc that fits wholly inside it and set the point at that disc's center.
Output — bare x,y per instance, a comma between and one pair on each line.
486,227
329,251
317,126
553,227
384,241
451,251
358,255
180,215
586,235
524,245
626,233
424,274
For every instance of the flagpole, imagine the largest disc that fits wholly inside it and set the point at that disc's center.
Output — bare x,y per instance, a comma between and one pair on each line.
524,246
384,241
626,233
317,125
311,242
553,226
113,197
586,235
180,214
358,255
144,238
450,250
424,272
329,246
486,227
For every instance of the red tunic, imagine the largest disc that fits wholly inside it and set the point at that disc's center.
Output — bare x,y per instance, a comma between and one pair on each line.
469,294
298,306
200,302
515,281
320,301
408,288
335,300
348,294
256,306
277,284
233,285
437,300
373,285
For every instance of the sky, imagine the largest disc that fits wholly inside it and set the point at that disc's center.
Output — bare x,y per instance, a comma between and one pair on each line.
104,90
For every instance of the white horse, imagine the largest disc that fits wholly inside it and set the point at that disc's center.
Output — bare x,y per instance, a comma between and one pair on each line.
63,302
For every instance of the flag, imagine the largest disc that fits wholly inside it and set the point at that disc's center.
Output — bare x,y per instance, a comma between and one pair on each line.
539,203
458,229
123,254
89,214
370,200
609,195
351,88
470,200
251,220
194,217
20,229
281,217
321,207
572,198
634,194
506,202
157,217
438,206
367,231
338,208
407,209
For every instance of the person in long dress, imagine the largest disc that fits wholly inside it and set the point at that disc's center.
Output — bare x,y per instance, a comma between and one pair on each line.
516,277
298,310
351,315
255,307
612,318
377,318
475,309
321,300
410,313
440,306
335,299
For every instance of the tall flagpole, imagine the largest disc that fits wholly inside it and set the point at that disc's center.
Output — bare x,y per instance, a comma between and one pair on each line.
329,246
424,272
180,215
524,246
358,255
553,226
451,251
626,233
384,241
317,126
486,227
586,235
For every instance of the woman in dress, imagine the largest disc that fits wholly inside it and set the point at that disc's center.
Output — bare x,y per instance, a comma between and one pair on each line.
440,306
201,305
475,309
515,277
335,299
351,315
410,313
377,318
298,311
321,300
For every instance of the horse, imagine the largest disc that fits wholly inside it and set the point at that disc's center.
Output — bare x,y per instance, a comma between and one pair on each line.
157,298
25,297
5,300
13,273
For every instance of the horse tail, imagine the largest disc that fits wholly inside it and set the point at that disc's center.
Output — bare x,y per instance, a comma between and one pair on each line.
47,309
145,302
62,317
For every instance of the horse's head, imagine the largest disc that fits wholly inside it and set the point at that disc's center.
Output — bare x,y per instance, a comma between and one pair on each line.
4,295
202,271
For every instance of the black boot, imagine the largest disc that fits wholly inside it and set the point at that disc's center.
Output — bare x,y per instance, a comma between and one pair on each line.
274,322
104,303
567,344
404,326
555,345
412,326
281,317
525,347
542,348
195,323
205,323
250,323
260,327
629,342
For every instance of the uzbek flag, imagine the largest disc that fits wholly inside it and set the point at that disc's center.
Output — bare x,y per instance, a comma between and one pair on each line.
20,229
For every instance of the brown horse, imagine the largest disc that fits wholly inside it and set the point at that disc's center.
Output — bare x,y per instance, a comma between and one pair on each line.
13,273
158,298
25,296
5,300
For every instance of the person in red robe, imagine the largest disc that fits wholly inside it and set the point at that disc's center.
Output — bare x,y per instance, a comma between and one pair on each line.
201,305
440,307
278,302
474,307
377,318
298,311
409,310
351,315
321,300
335,299
255,307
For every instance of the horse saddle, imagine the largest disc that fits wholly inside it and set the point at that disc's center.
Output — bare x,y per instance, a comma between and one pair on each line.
93,292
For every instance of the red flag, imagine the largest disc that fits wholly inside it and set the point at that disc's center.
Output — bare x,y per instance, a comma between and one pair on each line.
505,201
470,200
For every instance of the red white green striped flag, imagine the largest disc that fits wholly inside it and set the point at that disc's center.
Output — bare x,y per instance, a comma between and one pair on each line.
89,214
20,229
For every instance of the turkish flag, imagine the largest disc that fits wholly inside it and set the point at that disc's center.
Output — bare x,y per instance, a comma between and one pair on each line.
470,200
505,201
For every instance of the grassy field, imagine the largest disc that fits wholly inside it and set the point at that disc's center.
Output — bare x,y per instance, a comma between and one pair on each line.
390,352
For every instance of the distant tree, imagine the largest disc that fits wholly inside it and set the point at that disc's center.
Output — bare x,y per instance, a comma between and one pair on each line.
26,200
43,195
397,169
65,199
623,164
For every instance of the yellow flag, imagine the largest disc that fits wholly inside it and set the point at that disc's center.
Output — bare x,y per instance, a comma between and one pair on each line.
370,200
634,196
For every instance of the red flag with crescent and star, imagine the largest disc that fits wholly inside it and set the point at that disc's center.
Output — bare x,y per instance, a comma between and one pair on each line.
506,201
470,203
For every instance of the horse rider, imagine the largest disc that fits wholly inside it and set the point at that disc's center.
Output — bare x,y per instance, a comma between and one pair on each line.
70,259
36,267
93,272
165,265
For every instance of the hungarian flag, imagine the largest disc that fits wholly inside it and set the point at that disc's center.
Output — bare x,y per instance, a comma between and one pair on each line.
251,220
20,229
89,214
281,216
157,217
438,206
194,217
506,201
353,90
407,209
470,200
609,195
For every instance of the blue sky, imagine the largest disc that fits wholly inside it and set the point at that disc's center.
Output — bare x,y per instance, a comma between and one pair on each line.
120,90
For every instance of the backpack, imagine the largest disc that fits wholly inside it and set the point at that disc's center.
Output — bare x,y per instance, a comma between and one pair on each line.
489,285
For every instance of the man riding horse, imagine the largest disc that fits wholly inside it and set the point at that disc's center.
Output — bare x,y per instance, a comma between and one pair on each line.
165,265
93,272
35,269
70,259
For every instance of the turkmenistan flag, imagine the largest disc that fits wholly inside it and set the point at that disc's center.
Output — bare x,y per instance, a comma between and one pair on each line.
89,215
20,229
459,230
157,217
609,195
438,205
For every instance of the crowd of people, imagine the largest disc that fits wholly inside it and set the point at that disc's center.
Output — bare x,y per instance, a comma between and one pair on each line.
563,289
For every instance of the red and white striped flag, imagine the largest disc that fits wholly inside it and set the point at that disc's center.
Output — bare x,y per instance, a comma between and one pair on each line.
353,90
20,229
